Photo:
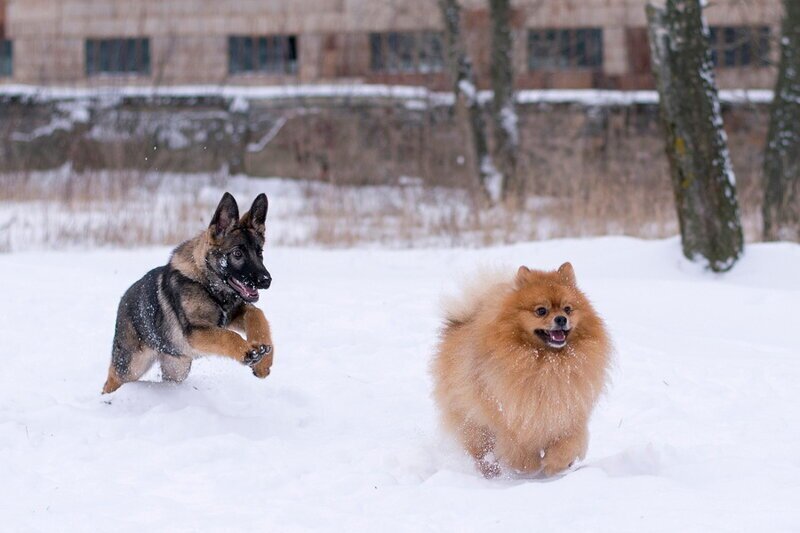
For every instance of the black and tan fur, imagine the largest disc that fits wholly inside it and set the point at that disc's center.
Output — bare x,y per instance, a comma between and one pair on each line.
196,303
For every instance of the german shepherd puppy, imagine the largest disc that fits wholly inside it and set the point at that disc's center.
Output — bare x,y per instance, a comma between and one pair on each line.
190,306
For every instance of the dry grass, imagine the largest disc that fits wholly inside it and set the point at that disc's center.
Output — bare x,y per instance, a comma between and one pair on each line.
65,209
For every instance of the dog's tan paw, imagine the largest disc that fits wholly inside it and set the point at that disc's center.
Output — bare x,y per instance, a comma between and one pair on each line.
557,462
256,353
489,468
261,368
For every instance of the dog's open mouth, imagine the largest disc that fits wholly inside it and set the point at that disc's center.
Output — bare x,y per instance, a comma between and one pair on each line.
555,338
248,293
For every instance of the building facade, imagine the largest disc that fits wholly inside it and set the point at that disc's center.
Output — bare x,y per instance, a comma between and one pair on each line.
558,43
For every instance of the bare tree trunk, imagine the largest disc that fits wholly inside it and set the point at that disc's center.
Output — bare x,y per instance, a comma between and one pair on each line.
468,106
696,144
504,115
782,157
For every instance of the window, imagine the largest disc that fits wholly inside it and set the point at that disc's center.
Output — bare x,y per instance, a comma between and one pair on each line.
117,56
6,57
740,46
274,54
562,49
413,52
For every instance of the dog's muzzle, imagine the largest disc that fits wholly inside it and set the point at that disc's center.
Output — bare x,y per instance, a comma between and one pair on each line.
264,281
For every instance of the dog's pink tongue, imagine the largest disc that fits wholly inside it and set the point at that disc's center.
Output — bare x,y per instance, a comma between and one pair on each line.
251,292
558,335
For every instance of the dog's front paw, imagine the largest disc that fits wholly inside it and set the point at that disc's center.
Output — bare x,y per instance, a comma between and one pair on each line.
262,368
256,353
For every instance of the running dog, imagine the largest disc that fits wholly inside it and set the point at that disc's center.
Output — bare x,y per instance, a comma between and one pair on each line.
521,363
196,303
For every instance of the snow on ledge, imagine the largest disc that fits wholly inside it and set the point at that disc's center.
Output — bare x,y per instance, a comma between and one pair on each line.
414,95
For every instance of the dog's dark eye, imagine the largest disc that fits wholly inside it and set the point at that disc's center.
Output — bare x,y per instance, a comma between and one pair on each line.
540,311
237,254
568,309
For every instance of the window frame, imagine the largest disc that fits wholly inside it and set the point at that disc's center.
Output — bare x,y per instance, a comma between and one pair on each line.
269,54
551,49
117,56
407,52
730,44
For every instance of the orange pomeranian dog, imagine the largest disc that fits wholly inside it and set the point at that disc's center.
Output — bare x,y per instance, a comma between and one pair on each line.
519,368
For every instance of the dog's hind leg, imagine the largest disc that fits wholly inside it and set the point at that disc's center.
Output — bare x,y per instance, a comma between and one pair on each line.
175,368
127,366
112,381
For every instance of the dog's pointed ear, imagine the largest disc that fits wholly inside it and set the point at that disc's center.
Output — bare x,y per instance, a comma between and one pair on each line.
567,273
257,216
225,217
522,274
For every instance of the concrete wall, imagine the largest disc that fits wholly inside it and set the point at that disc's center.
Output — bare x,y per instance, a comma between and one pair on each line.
189,38
349,140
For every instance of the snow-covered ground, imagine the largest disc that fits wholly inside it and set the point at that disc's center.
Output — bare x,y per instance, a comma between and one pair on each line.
699,431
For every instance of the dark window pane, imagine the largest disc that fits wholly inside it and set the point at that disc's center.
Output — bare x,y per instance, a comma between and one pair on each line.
144,66
431,54
273,54
739,46
376,59
263,56
392,44
118,56
553,49
438,51
533,48
714,43
763,46
247,54
291,54
117,46
278,55
6,58
730,36
421,52
745,47
406,53
581,52
596,48
567,53
105,57
91,58
126,47
234,63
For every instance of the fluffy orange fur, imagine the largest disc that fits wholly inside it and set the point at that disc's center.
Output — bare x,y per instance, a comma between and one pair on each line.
504,390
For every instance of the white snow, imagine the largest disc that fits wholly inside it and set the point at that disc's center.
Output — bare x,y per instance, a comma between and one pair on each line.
416,97
269,136
492,179
509,121
468,89
698,431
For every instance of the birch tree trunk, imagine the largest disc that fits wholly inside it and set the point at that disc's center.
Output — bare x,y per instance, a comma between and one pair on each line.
781,207
504,114
696,144
468,107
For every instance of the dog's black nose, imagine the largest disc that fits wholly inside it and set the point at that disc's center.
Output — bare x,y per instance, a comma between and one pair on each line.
264,281
561,321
